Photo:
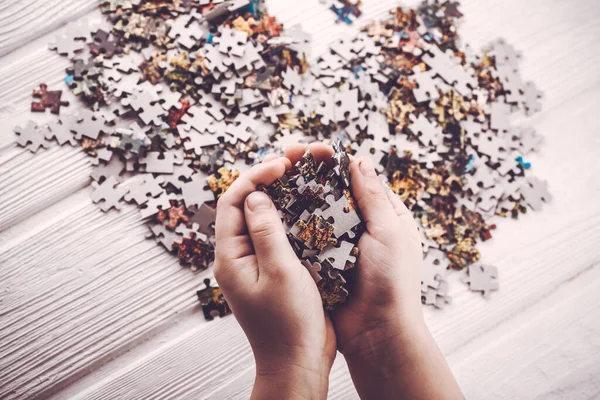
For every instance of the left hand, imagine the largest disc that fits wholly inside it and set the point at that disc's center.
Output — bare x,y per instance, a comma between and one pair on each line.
271,293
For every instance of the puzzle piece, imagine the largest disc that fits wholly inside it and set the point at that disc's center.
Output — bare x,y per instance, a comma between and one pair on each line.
113,169
164,236
326,107
197,141
232,42
156,204
185,31
528,140
213,302
181,174
196,192
500,116
161,163
90,125
433,269
504,53
427,88
66,45
341,257
149,111
481,278
48,99
204,217
108,194
347,11
341,163
437,297
197,117
134,139
450,70
346,104
315,232
32,136
427,132
313,268
192,233
144,188
104,44
220,181
103,154
292,80
60,130
343,214
534,191
533,98
242,127
81,69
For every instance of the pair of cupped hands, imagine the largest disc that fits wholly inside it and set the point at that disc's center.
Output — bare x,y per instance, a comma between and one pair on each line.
277,303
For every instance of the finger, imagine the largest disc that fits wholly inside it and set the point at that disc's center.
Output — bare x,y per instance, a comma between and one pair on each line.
294,152
320,151
271,246
234,264
398,204
370,196
232,241
235,248
230,215
269,157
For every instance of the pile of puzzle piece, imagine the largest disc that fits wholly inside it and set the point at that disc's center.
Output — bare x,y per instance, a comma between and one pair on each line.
181,97
321,220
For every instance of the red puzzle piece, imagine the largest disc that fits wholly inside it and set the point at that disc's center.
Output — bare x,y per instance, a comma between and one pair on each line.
49,98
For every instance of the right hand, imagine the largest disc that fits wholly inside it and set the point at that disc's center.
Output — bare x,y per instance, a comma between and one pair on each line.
381,330
385,285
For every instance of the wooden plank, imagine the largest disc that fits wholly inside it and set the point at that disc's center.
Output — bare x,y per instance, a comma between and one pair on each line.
470,317
549,351
22,22
80,287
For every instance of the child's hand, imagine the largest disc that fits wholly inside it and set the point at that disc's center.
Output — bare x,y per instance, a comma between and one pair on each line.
385,295
271,293
380,330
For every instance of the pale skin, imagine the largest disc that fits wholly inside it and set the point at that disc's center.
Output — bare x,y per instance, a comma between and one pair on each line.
380,330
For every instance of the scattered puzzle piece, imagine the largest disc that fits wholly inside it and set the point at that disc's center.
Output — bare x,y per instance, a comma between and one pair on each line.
108,194
48,99
32,136
481,278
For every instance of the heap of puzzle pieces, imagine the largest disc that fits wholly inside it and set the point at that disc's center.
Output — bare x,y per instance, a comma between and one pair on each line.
322,224
181,97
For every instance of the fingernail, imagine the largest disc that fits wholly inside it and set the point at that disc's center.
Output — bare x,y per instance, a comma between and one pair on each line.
258,201
366,167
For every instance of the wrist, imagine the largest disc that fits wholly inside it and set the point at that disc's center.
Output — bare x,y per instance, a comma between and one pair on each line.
291,376
387,340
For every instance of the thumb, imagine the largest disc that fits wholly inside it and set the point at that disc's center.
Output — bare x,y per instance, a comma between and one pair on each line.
372,200
273,251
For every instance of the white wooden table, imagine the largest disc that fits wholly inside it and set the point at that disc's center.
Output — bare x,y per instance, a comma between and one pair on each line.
91,309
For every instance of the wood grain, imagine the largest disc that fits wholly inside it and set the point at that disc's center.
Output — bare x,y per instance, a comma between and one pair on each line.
91,309
22,21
